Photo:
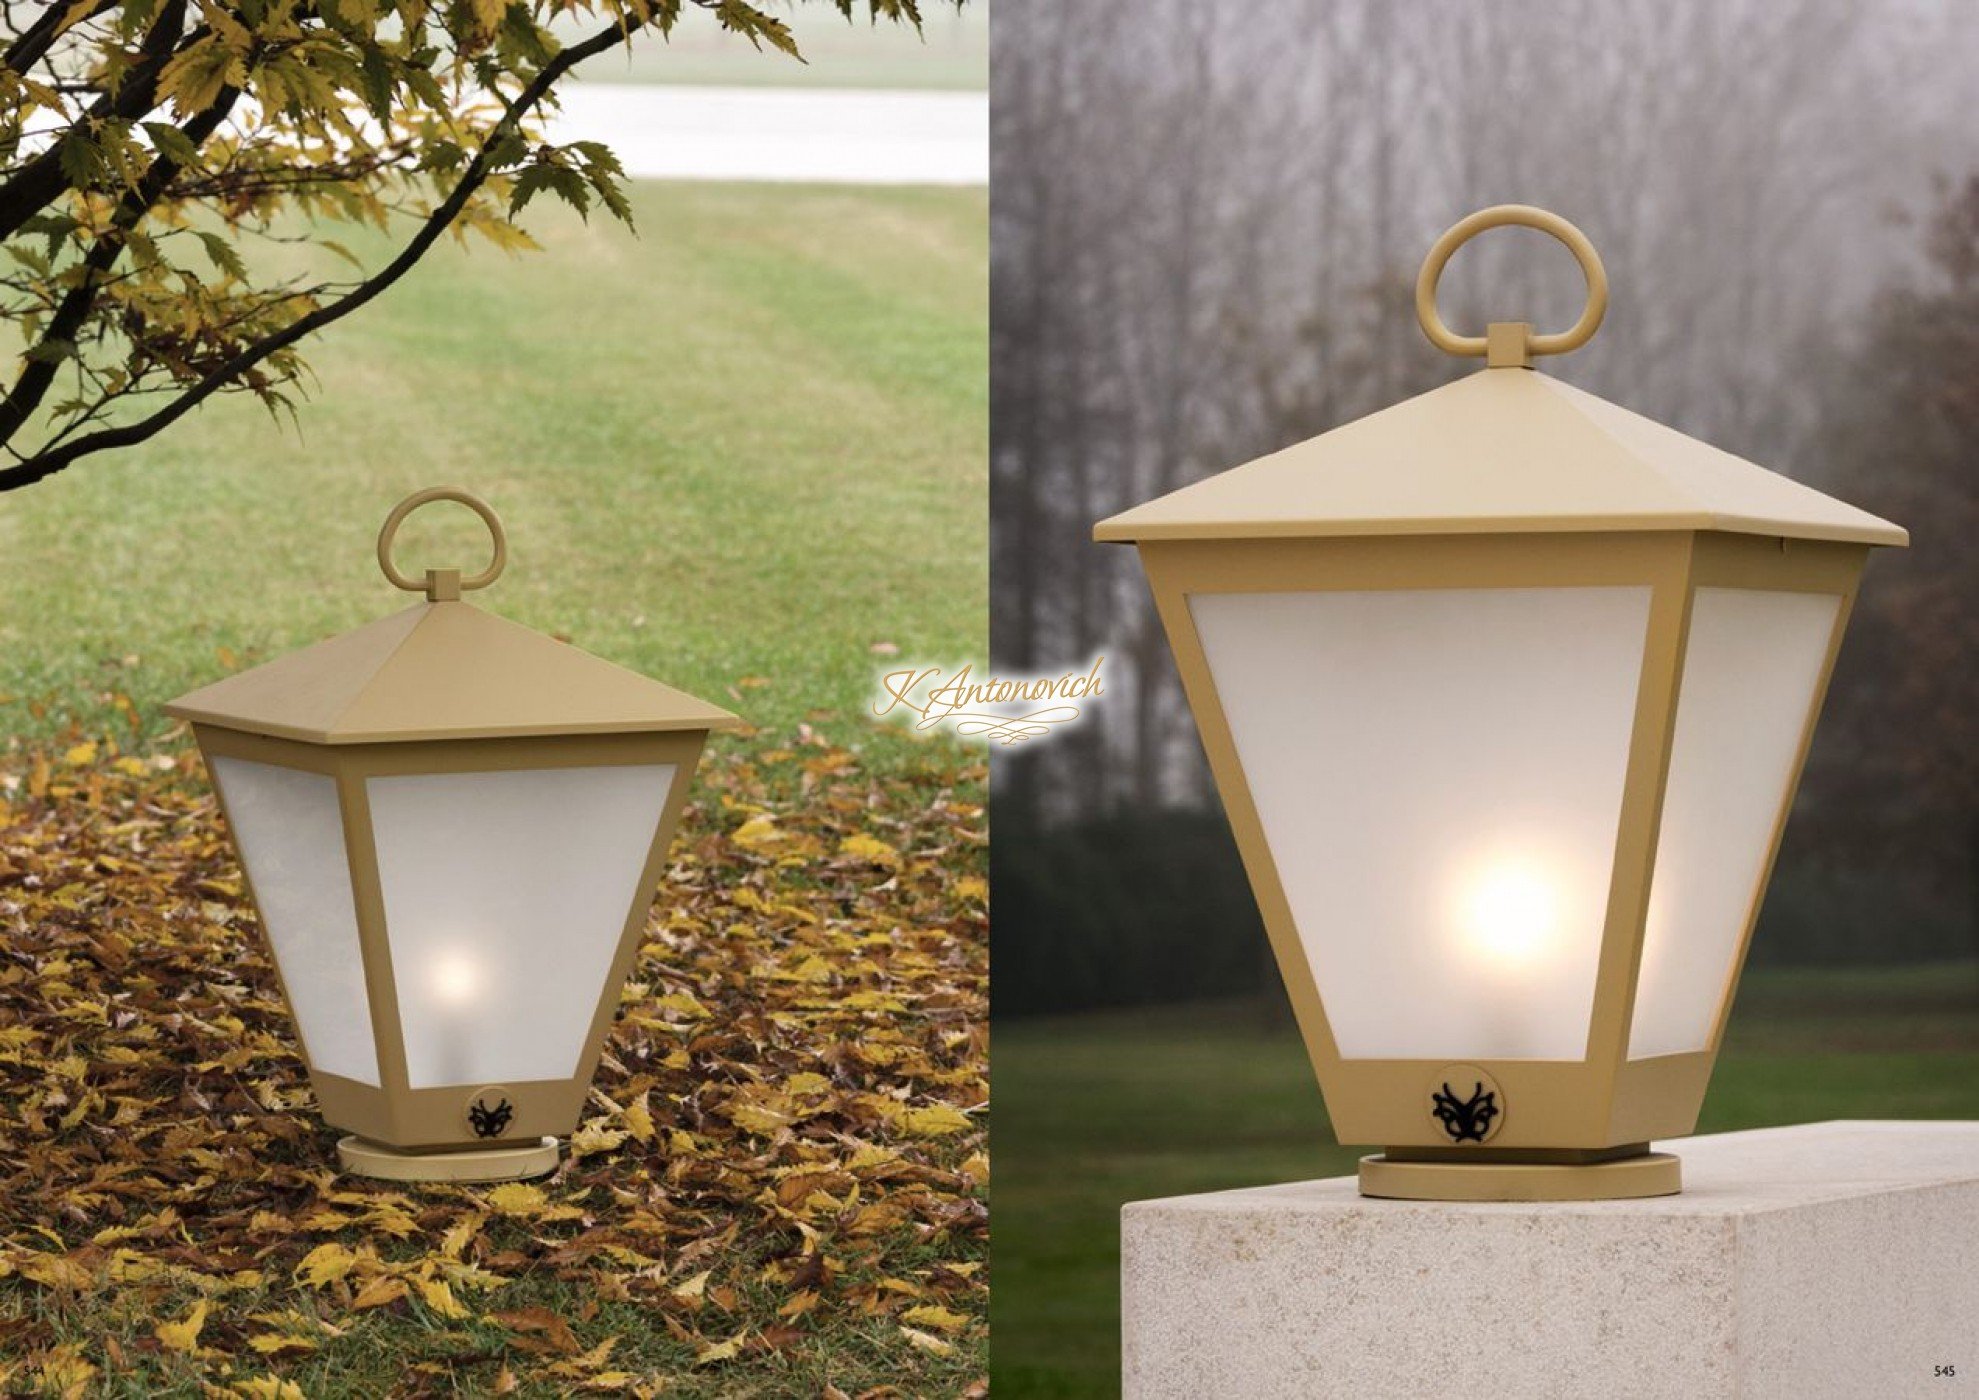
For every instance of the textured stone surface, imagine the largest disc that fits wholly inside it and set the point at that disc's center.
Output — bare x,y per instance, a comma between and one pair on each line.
1833,1259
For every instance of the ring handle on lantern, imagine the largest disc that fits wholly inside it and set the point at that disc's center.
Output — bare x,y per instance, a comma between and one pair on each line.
442,585
1511,343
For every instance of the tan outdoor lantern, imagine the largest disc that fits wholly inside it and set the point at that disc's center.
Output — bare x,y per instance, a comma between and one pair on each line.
452,827
1506,691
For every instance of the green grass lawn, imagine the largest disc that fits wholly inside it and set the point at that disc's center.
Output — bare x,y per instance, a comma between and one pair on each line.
1094,1111
735,452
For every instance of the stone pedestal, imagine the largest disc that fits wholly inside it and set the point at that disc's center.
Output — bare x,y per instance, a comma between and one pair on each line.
1834,1259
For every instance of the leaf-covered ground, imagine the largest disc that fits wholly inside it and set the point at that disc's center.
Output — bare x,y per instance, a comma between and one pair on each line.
780,1187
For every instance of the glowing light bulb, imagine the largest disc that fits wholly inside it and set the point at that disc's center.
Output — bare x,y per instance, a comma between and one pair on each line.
1510,912
455,978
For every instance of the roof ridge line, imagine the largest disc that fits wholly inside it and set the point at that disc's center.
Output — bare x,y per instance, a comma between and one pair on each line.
385,661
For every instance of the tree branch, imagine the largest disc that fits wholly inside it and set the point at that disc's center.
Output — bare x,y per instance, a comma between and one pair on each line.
32,387
45,464
40,180
33,43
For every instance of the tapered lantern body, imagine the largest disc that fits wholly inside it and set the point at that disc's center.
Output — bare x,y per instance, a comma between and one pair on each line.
452,827
1506,691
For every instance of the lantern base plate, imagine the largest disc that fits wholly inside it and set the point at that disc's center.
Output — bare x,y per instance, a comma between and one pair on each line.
515,1162
1647,1174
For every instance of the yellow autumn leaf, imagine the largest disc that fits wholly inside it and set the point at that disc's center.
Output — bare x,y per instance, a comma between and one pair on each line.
130,767
761,1117
684,1003
935,1316
325,1264
799,1303
758,832
460,1234
82,755
269,1388
638,1117
276,1343
870,1155
863,847
182,1335
379,1291
927,1341
518,1198
65,1371
720,1351
488,14
440,1298
53,1271
594,1137
694,1287
936,1121
587,1363
812,969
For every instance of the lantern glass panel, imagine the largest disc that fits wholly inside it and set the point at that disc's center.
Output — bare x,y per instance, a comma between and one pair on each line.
289,826
1439,776
505,896
1751,669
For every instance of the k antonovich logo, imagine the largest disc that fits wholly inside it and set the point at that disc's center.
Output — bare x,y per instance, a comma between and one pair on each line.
1000,710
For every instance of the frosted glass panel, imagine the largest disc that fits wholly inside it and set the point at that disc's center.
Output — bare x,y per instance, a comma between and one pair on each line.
505,894
1750,671
1439,773
291,838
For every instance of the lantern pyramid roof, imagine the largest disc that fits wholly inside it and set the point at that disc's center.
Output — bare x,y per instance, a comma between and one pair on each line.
1503,450
445,670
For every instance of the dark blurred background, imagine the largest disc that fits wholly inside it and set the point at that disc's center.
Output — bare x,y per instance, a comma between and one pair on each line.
1206,224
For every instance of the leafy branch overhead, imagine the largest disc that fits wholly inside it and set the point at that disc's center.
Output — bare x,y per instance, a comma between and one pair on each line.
150,148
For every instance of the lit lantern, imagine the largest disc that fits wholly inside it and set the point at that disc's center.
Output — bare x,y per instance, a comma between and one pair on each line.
452,827
1506,691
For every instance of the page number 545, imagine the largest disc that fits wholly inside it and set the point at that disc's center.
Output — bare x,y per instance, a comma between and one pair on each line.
1946,1370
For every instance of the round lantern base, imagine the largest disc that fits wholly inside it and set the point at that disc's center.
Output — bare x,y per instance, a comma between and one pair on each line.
516,1162
1647,1174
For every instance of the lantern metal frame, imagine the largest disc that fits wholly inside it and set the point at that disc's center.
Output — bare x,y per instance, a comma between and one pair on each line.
278,716
1576,1129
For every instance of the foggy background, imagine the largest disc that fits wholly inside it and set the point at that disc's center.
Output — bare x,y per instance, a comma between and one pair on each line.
1206,225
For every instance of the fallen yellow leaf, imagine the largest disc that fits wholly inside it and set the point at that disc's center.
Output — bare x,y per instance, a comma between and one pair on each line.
868,848
694,1287
639,1117
757,833
182,1335
594,1137
720,1351
66,1372
518,1198
935,1316
936,1121
927,1341
269,1388
379,1291
440,1298
325,1264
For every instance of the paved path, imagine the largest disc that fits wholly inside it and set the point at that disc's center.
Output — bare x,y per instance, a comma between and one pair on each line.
835,136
